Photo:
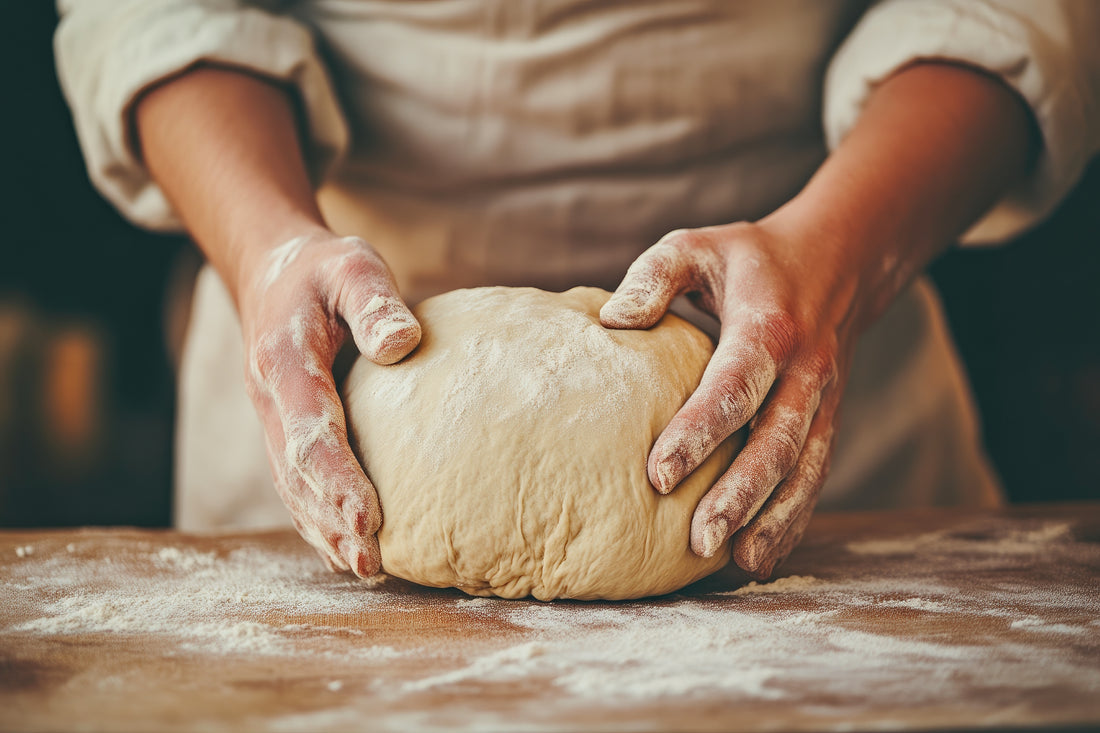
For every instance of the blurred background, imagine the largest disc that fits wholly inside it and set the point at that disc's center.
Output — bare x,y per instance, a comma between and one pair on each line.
88,340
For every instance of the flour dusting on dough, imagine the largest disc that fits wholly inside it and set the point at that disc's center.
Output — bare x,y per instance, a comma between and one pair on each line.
520,412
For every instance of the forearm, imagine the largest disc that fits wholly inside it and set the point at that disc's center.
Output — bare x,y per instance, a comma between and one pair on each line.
224,147
935,146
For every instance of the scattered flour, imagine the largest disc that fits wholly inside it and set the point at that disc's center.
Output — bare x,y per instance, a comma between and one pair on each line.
697,646
1013,542
768,641
185,559
763,642
182,590
510,663
919,604
1045,627
789,584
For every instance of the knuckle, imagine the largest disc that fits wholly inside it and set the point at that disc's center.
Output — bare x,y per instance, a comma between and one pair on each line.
362,513
787,445
355,273
814,466
821,364
370,519
363,267
804,485
733,397
335,539
684,240
781,332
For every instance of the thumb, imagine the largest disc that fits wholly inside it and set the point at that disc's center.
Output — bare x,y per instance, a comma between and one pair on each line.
648,288
383,327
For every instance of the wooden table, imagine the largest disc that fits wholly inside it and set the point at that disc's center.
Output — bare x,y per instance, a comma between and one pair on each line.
901,621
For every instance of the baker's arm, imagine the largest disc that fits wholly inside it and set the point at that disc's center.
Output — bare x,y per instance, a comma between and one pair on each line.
1045,51
934,147
227,111
927,111
223,146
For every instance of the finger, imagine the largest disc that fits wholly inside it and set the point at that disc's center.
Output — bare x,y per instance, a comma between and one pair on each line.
773,446
299,499
324,551
321,477
776,530
736,381
338,495
326,523
761,567
331,552
302,517
366,297
365,564
662,272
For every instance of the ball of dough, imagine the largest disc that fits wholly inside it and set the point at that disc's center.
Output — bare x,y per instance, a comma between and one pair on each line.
509,450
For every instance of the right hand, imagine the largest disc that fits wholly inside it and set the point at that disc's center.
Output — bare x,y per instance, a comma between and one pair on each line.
298,303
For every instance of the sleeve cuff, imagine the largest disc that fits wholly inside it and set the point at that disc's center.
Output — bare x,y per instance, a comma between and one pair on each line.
107,56
1042,50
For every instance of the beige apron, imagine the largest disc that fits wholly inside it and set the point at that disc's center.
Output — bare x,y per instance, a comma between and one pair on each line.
548,144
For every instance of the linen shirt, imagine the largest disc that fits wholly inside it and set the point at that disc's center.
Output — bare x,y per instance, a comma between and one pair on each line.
545,143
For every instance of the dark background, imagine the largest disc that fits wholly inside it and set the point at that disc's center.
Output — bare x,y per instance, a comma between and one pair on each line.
86,383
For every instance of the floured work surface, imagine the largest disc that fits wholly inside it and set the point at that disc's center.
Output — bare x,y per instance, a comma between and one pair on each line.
888,620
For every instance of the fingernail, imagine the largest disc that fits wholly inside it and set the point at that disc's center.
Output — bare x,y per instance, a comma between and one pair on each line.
747,557
669,472
613,309
392,338
714,535
626,307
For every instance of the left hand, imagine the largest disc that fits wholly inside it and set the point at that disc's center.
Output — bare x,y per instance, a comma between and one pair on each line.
780,366
934,147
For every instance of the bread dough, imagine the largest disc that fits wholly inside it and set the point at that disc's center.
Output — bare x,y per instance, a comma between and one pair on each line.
509,450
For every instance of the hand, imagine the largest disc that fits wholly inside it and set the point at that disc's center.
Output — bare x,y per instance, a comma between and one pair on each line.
297,304
779,366
934,146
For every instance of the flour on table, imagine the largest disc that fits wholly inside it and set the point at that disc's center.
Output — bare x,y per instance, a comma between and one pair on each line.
1017,542
900,621
792,583
185,589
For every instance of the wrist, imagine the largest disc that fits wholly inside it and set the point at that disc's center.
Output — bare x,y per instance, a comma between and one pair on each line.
251,255
828,257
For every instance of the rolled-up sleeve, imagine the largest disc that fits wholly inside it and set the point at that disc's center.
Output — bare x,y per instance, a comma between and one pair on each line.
1047,51
110,51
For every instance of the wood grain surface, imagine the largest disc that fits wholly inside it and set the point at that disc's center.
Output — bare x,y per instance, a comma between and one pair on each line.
900,621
